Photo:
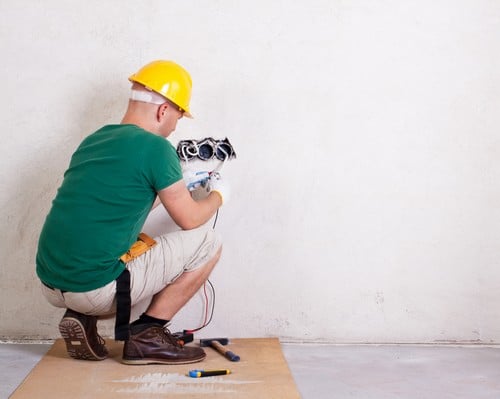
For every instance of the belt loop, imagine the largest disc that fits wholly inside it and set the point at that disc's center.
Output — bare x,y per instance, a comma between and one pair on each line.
123,304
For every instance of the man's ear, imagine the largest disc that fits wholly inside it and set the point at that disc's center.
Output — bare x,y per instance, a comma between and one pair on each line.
162,109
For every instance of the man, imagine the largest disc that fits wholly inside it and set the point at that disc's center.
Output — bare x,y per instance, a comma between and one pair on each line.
111,185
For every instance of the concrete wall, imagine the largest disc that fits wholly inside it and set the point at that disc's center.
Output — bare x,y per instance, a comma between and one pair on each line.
366,190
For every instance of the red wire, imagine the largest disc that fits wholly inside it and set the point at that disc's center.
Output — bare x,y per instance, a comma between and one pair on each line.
206,303
206,310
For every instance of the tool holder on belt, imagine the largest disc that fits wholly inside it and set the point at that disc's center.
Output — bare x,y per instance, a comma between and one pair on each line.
123,301
143,244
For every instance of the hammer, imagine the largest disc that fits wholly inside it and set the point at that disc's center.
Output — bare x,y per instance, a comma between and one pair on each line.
217,344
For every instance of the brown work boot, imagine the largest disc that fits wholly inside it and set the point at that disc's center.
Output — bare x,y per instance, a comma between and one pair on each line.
80,334
155,344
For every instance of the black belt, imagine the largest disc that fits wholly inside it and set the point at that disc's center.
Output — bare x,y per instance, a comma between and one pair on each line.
52,288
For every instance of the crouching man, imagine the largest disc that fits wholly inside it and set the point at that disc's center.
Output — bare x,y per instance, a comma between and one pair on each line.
89,259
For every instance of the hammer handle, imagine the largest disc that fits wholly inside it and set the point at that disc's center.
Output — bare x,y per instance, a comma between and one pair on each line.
227,353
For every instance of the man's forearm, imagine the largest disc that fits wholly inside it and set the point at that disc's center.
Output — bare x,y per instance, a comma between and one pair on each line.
206,209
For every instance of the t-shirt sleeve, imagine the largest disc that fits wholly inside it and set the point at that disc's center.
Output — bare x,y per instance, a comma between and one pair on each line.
162,166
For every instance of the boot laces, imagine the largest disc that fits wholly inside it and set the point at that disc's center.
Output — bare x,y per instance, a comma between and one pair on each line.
168,338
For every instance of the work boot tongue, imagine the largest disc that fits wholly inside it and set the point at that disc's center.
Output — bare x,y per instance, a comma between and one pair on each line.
136,329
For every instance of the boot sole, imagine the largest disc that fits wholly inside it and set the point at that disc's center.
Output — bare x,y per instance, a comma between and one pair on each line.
77,345
161,361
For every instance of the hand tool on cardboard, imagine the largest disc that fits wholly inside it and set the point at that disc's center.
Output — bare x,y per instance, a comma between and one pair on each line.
218,345
207,373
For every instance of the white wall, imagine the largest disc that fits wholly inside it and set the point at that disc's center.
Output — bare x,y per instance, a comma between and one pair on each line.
366,188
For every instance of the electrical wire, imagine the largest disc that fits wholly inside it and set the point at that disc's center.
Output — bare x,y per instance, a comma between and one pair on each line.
215,220
205,321
207,302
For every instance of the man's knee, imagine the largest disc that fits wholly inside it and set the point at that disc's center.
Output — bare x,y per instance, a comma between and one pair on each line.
218,254
206,268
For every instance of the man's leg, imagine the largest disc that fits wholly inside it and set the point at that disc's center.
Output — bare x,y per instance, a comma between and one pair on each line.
171,272
149,341
173,297
78,330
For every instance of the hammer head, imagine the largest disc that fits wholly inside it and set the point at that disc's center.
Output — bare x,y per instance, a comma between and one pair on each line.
208,341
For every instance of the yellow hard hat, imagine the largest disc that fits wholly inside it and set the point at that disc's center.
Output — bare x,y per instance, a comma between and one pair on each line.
168,79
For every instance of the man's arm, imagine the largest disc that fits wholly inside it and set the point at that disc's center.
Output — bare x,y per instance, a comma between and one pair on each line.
184,210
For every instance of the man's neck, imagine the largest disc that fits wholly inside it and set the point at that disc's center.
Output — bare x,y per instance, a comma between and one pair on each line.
138,119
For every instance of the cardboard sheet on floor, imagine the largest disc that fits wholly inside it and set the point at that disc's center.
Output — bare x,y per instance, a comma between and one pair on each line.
261,373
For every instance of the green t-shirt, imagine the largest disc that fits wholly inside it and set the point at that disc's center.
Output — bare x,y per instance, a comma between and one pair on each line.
101,206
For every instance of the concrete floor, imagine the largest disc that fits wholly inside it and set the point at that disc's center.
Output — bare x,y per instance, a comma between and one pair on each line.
347,371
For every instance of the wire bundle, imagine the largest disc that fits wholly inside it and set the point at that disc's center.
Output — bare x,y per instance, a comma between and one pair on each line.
205,149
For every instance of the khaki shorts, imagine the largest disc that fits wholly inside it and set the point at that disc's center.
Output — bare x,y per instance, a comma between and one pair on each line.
175,253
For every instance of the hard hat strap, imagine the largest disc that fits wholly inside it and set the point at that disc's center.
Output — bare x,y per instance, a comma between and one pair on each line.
147,97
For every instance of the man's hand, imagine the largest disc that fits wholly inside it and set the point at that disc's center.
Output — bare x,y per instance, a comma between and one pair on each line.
218,185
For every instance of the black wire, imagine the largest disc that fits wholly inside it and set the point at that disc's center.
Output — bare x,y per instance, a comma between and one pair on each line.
213,303
216,216
212,311
213,290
